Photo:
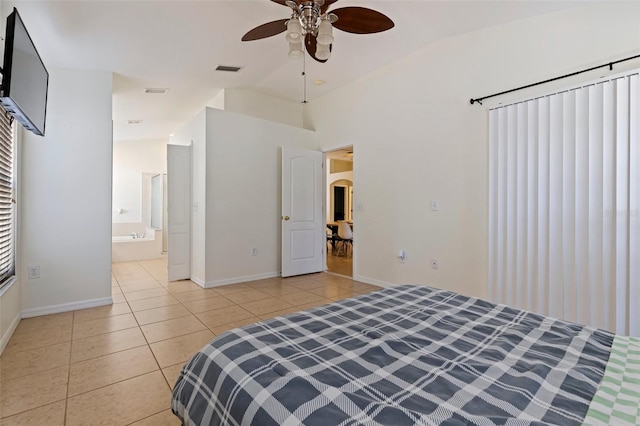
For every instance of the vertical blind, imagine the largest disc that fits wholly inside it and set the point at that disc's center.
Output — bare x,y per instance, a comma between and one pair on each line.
564,205
6,199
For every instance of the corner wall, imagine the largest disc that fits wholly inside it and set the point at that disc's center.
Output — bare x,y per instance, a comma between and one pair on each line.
65,197
417,138
236,194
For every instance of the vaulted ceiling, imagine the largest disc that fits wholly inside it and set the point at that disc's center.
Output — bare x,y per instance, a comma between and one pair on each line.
178,44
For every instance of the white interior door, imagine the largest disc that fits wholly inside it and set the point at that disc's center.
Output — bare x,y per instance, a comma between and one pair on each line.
179,211
303,229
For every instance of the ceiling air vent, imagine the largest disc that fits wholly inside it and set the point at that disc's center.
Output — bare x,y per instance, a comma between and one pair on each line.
156,90
134,121
228,68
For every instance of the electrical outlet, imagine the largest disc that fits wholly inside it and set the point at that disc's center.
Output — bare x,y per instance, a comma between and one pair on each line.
402,255
435,263
33,272
254,251
435,205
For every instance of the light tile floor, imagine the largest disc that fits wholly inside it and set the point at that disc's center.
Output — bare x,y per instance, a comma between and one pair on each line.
339,264
116,364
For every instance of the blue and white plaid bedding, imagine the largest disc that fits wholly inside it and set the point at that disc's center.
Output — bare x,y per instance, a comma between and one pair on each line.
408,355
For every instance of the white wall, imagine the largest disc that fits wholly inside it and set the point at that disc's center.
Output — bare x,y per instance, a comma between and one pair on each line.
244,194
65,196
130,160
259,105
418,138
217,101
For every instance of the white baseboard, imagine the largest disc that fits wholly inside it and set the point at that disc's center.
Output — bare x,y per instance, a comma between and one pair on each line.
197,280
5,339
372,281
66,307
218,283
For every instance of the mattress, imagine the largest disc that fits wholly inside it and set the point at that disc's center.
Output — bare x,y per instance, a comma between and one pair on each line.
407,355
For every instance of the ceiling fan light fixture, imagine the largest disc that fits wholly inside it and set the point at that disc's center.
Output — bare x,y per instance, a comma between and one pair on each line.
323,53
295,50
294,30
325,33
311,23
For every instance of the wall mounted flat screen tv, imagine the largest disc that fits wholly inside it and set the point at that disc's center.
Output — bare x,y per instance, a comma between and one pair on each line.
25,80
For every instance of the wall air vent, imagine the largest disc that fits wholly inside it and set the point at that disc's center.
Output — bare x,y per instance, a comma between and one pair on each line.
228,68
156,90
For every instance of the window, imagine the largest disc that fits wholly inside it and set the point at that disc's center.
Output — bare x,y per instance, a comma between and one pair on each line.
7,203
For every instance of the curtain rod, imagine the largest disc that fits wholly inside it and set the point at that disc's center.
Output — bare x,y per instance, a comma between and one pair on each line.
609,64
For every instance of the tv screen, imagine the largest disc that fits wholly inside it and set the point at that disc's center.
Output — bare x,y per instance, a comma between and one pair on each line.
25,80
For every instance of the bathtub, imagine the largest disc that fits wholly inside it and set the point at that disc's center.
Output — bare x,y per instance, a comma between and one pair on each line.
126,248
128,238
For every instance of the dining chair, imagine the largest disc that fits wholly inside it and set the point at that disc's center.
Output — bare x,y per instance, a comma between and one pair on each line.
346,236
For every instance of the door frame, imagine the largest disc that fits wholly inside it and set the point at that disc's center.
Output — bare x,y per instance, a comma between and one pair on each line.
354,247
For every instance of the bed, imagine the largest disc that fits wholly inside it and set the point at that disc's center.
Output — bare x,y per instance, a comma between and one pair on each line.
412,355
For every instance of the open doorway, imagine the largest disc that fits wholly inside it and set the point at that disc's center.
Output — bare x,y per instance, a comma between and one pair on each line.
339,174
138,240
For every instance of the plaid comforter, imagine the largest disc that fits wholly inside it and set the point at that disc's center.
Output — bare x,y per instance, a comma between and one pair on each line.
400,356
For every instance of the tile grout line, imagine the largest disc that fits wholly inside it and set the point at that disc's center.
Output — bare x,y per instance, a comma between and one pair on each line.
66,399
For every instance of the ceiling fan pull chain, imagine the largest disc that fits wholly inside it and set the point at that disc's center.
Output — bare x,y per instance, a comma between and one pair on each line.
304,78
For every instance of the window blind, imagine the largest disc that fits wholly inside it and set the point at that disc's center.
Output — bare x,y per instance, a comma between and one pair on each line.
564,204
7,203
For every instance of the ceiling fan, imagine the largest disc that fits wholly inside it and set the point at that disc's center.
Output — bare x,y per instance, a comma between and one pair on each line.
312,23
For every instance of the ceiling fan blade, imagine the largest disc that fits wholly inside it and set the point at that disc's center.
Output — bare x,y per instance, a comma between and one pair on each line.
266,30
360,20
325,6
312,45
279,2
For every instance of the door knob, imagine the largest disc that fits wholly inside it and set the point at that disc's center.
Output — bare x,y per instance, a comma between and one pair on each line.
286,217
